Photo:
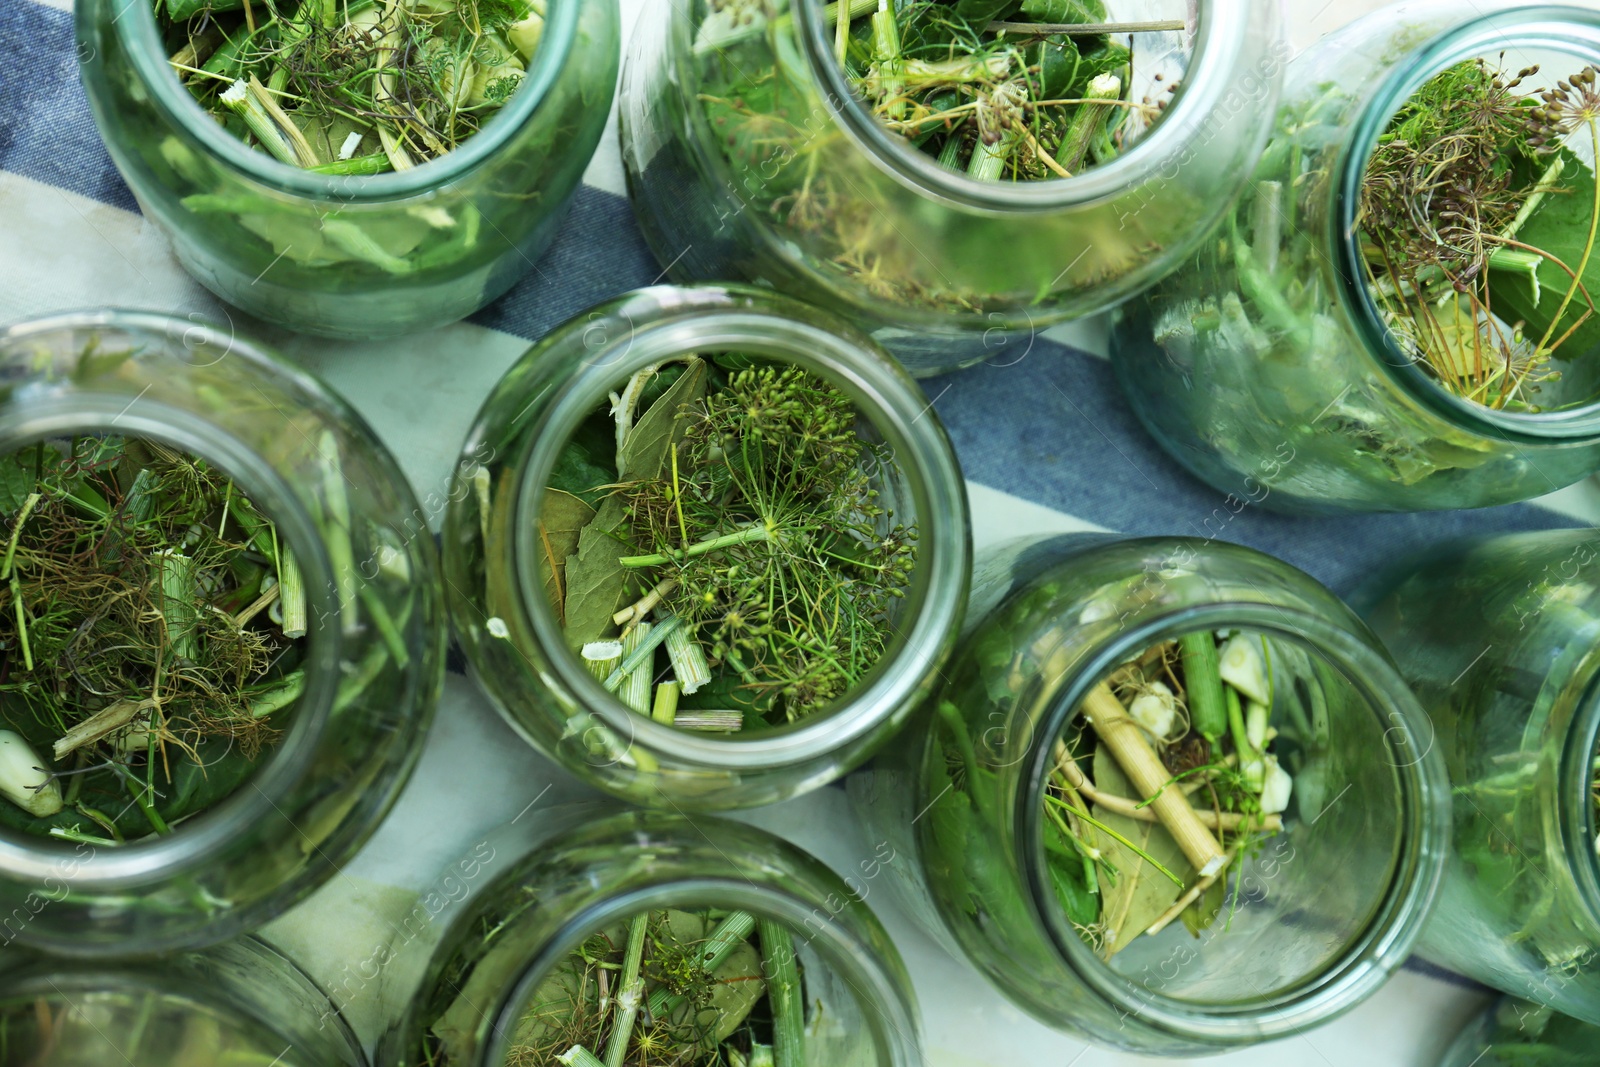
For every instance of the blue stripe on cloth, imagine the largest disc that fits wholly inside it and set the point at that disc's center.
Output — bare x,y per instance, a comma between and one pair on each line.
1054,429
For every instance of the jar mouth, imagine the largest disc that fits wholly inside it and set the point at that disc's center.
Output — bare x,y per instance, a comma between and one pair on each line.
136,29
1394,918
1569,30
886,400
1217,42
837,950
208,835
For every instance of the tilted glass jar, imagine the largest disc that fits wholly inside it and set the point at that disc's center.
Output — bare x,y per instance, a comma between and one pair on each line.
374,659
494,570
1499,639
342,255
806,192
1321,913
1264,367
242,1002
585,868
1512,1033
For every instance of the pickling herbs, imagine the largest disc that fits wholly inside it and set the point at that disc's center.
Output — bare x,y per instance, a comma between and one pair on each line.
151,635
1478,217
352,88
714,546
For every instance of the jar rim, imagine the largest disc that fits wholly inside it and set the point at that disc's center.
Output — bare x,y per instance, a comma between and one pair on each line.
141,39
1396,921
1576,808
1568,29
211,832
704,319
1219,38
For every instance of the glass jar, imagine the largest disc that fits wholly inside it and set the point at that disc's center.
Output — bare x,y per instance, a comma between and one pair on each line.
374,656
586,869
1264,367
806,192
1499,639
353,256
1511,1033
1321,912
237,1003
495,571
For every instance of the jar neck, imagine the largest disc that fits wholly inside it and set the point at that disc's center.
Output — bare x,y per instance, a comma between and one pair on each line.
120,408
1219,36
133,26
1568,29
1382,944
666,323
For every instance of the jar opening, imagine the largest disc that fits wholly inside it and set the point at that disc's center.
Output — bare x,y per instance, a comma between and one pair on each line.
1462,211
140,36
178,626
725,974
747,530
1309,916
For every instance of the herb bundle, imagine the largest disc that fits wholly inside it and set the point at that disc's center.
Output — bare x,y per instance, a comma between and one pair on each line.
151,635
722,517
357,87
693,989
1166,780
1047,97
1479,213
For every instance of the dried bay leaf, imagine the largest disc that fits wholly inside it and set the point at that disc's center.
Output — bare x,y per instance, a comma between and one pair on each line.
595,576
645,451
1139,894
561,520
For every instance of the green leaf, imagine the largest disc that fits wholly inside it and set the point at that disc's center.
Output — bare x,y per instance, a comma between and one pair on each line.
1560,226
1065,11
561,520
587,465
979,12
183,10
1139,893
1203,912
595,576
195,787
1078,900
16,481
645,451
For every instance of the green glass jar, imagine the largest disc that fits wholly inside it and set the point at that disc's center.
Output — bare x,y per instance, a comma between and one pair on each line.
1513,1033
495,559
1264,368
373,658
1499,639
238,1003
791,181
353,256
1314,917
583,873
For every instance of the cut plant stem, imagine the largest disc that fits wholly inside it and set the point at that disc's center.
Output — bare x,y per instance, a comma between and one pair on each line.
688,661
665,708
239,98
635,691
640,652
602,657
1122,735
578,1056
292,591
782,972
1090,119
16,533
632,992
1202,681
21,609
741,537
710,721
1228,821
646,604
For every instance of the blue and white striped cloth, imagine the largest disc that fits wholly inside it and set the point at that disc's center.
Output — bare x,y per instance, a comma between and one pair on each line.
1045,439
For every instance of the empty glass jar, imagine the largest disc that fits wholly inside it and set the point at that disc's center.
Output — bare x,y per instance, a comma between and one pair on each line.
1313,918
514,974
1264,366
750,158
497,559
374,650
1498,639
345,255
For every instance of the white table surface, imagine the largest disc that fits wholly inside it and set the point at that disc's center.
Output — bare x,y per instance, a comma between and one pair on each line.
476,774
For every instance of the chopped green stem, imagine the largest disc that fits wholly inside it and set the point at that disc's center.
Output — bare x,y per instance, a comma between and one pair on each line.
632,991
1241,736
641,651
291,593
22,623
989,159
782,972
886,51
239,98
665,708
688,661
16,533
710,721
635,691
140,798
1089,121
714,544
276,697
1202,680
374,163
578,1056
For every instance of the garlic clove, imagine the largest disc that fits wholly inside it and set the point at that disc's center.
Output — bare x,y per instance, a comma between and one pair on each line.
1276,788
23,781
1243,668
1255,725
525,35
1155,709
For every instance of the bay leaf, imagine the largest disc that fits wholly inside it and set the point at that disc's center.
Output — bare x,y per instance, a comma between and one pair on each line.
1203,912
561,520
645,450
1139,893
595,576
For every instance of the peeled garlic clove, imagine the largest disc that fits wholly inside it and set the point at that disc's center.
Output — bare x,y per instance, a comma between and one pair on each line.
524,36
1254,772
23,781
1255,725
1242,667
1276,788
1155,709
